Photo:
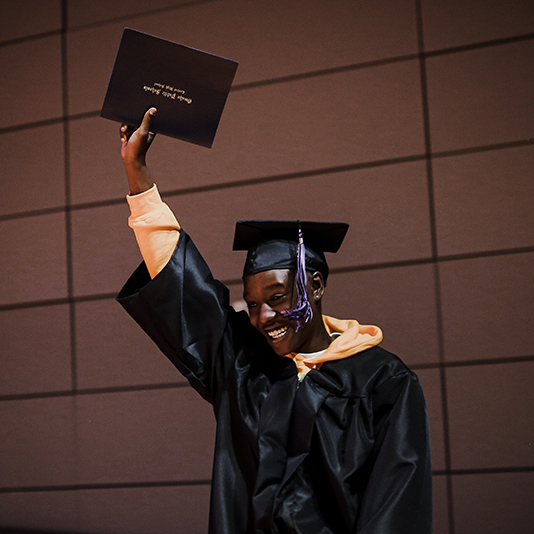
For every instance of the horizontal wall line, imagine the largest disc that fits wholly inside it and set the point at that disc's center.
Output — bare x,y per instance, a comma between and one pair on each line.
49,122
234,184
146,13
92,391
207,482
338,270
484,471
92,25
119,485
294,175
56,302
32,213
483,148
106,22
29,125
472,363
176,385
325,72
429,260
279,79
420,261
28,38
481,44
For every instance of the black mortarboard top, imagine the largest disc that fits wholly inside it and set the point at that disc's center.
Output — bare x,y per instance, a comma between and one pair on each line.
273,244
189,87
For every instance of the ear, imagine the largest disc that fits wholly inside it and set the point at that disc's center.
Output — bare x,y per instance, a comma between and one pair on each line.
316,286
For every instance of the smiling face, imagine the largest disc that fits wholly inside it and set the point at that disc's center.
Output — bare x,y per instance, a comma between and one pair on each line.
268,293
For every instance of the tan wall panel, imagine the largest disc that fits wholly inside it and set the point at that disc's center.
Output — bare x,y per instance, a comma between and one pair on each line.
488,307
270,39
391,198
104,249
340,119
33,177
41,511
21,18
38,445
481,97
96,168
278,38
493,503
386,207
152,510
35,349
160,435
484,201
491,408
441,513
83,12
30,86
147,510
457,22
113,351
90,58
399,300
33,260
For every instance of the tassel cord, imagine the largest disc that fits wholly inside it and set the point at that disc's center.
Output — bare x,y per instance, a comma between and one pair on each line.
302,312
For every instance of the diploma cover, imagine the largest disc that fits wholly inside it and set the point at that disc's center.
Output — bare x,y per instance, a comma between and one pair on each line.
188,87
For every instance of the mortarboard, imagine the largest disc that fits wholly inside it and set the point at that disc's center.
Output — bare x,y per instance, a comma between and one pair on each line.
272,244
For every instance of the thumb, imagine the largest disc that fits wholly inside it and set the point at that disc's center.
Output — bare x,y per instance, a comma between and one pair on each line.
144,129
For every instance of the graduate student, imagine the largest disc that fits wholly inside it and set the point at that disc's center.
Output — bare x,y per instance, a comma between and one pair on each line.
319,430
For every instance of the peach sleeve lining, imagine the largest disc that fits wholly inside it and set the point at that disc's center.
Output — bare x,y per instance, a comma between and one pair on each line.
156,228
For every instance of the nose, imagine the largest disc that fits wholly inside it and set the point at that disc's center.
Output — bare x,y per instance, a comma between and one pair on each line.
266,314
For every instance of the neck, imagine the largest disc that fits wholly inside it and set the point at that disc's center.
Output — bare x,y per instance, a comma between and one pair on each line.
320,339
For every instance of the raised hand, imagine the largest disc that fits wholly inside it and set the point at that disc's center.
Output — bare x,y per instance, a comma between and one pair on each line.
134,146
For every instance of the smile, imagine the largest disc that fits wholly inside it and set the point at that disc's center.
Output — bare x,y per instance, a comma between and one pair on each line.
278,333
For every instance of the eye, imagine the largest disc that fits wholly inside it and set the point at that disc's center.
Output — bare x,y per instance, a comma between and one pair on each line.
251,305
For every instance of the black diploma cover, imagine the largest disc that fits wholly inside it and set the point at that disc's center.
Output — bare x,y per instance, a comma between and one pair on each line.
189,87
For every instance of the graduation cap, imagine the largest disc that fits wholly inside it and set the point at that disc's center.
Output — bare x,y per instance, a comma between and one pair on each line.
296,245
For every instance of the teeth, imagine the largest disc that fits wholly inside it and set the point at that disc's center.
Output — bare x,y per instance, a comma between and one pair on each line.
278,333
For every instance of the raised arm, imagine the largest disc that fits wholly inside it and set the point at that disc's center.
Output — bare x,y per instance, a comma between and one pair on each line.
155,226
135,144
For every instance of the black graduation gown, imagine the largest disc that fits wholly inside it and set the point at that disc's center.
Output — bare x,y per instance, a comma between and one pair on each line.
344,451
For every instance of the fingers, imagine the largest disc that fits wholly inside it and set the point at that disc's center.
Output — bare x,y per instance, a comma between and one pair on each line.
127,130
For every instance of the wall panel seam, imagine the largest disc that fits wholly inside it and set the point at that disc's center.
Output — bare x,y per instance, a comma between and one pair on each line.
333,271
176,385
274,178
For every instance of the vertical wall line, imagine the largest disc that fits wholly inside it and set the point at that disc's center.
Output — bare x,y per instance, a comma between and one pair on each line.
68,200
436,269
68,233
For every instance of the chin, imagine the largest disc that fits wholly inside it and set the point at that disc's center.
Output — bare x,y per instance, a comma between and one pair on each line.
284,346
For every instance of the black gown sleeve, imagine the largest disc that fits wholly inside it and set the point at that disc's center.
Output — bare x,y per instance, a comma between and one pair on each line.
398,497
185,311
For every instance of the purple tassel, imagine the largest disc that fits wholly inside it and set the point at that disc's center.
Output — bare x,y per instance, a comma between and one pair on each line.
302,312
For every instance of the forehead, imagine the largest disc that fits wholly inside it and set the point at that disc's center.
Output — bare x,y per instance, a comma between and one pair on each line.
266,280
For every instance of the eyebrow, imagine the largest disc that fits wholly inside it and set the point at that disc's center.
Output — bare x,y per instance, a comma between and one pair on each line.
274,285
